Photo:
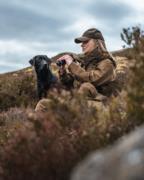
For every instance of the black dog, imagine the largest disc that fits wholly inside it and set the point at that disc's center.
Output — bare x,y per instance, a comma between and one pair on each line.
45,77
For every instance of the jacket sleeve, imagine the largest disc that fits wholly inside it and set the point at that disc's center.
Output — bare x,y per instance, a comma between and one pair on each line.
103,73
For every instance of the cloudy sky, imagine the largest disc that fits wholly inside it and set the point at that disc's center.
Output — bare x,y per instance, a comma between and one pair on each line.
33,27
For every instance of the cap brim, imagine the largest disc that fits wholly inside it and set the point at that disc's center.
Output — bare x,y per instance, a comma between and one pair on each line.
81,39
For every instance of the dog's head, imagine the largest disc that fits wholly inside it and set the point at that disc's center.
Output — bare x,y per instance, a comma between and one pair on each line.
39,62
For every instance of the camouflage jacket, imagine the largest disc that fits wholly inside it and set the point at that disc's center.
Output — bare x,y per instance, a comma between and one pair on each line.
94,68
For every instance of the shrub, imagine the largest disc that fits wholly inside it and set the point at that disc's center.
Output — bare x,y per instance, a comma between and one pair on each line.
49,145
17,90
134,37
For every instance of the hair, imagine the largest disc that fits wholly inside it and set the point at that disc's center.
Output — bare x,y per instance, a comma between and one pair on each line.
100,45
102,50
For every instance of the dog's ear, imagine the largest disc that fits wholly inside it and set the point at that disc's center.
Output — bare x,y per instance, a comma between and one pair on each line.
31,61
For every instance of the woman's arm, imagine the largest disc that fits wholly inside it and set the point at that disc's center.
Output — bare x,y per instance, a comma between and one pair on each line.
103,73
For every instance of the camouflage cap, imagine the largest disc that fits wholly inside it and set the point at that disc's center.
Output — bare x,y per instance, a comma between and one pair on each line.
92,33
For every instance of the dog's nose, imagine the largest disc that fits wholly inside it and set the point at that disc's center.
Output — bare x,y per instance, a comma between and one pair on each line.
44,62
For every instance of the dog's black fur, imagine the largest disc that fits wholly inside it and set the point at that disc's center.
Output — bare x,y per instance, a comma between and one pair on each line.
45,77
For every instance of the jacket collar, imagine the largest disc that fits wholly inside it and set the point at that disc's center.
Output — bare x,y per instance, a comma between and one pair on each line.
95,57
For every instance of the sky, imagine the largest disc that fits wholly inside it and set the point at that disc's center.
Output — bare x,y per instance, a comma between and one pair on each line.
33,27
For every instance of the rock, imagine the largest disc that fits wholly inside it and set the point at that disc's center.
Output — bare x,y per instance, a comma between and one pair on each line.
123,161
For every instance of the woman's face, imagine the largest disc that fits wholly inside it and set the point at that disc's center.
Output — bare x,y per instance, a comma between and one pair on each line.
88,46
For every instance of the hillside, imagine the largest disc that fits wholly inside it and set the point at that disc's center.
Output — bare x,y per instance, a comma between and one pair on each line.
19,87
49,145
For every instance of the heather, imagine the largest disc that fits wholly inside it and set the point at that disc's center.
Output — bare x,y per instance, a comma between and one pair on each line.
49,145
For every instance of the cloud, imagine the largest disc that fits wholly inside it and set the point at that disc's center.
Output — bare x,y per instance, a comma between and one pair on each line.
33,27
110,11
19,23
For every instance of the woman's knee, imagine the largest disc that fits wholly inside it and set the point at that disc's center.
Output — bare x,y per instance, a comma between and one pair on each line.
87,89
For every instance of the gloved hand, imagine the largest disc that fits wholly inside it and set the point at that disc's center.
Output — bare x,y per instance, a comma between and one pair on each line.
68,59
62,71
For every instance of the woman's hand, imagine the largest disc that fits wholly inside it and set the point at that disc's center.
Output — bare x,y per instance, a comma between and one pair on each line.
68,59
62,71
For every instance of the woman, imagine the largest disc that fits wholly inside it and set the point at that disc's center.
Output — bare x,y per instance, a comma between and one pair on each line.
94,72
